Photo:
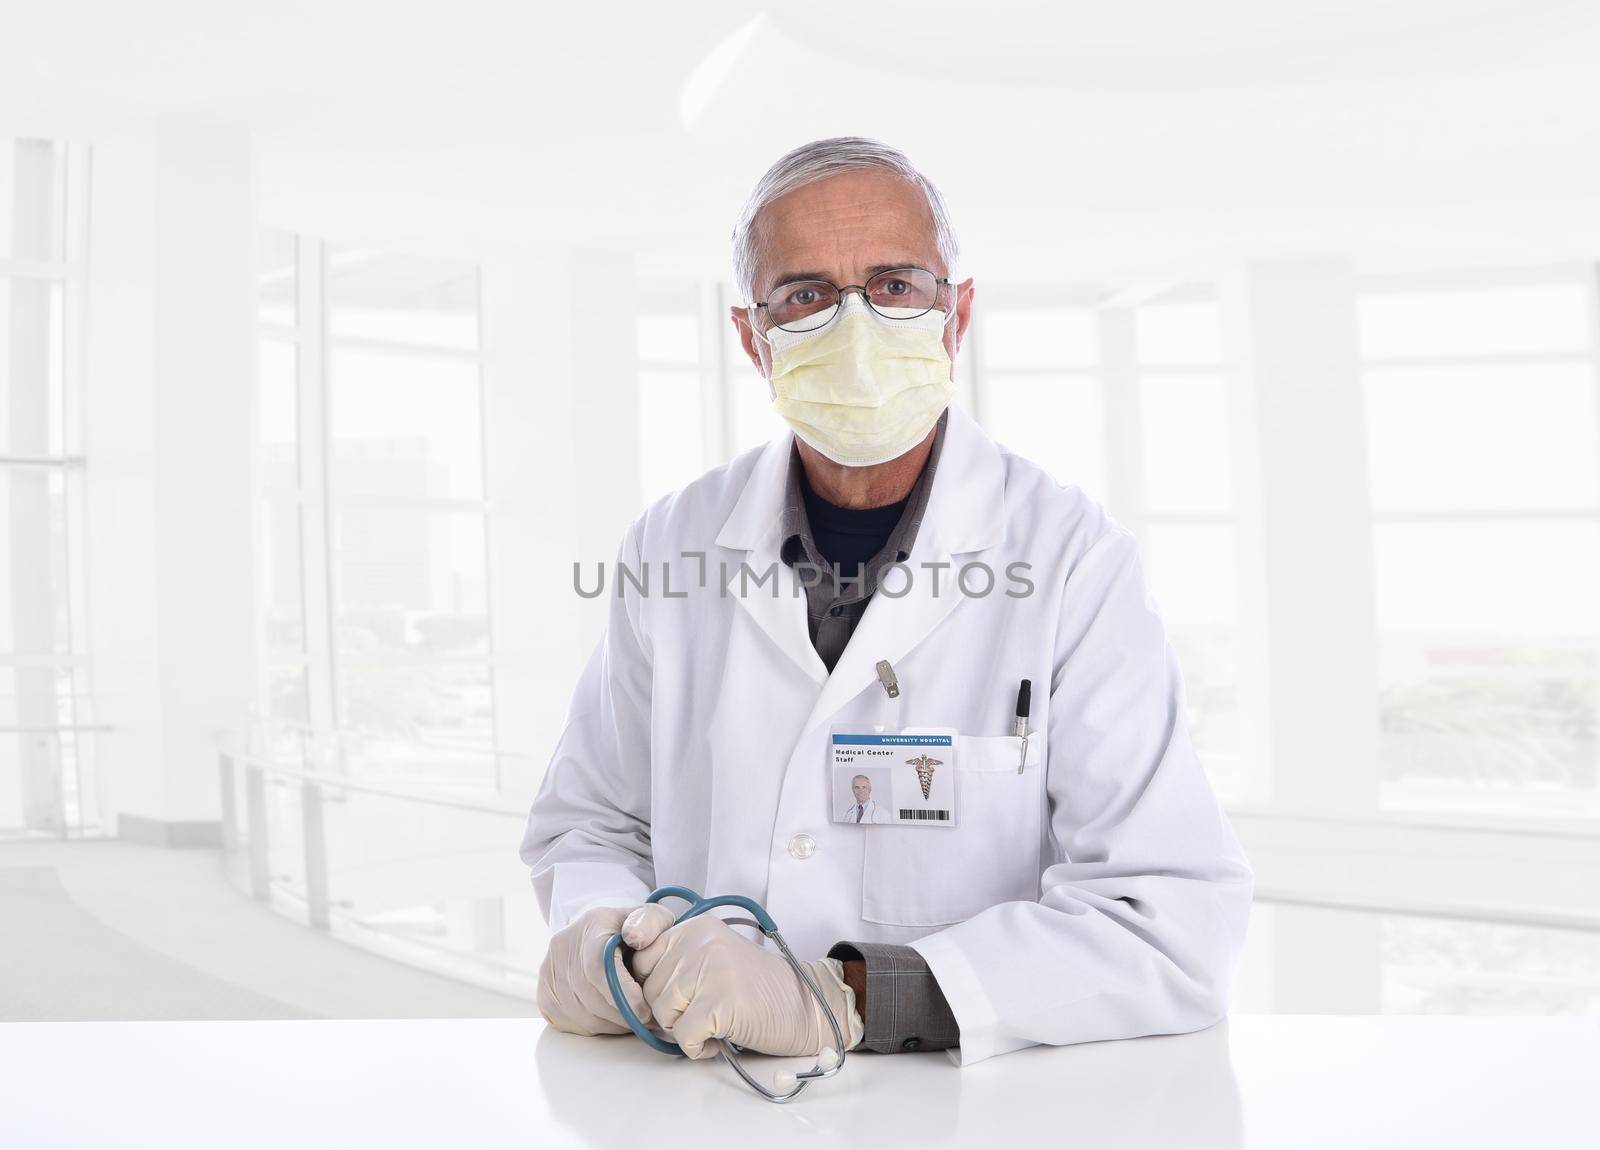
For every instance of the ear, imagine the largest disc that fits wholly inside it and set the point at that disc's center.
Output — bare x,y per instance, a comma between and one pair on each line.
747,337
964,293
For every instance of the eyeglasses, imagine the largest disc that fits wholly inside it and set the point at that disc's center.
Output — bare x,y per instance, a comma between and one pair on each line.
900,293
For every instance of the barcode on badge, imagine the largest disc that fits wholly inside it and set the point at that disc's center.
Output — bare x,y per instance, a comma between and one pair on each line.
908,815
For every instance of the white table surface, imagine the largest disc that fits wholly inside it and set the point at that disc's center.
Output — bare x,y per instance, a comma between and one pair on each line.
1260,1081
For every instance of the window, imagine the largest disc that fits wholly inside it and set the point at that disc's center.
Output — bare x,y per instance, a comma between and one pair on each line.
1042,393
1323,960
1185,451
47,781
1484,442
672,393
46,776
1130,404
373,578
701,401
1444,966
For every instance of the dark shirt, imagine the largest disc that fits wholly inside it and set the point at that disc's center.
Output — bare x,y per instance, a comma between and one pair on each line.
856,540
847,537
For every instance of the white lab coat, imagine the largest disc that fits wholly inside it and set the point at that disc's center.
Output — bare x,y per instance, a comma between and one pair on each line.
1098,893
871,812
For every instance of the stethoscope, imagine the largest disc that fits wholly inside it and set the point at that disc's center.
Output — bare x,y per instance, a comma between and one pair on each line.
788,1083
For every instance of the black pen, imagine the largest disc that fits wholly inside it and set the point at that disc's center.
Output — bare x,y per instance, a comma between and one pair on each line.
1019,726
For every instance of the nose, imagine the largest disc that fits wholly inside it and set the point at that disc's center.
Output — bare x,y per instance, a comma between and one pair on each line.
860,301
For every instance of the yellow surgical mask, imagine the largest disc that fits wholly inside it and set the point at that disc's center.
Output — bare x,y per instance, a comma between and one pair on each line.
863,389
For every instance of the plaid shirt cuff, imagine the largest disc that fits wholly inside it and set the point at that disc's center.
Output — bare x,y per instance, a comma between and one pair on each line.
906,1010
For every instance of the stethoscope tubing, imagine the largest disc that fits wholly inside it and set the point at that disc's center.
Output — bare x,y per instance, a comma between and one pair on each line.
728,1051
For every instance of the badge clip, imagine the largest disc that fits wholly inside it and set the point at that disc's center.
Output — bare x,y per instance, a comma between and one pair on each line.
891,685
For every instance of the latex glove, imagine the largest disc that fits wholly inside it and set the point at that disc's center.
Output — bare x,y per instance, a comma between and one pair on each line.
703,980
573,994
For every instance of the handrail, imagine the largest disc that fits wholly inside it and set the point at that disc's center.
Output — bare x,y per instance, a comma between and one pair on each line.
1543,917
334,782
58,728
1525,824
296,727
41,461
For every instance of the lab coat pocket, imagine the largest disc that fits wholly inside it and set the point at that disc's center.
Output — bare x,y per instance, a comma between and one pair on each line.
935,876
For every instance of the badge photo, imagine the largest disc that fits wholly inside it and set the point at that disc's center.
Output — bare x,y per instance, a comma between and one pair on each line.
863,796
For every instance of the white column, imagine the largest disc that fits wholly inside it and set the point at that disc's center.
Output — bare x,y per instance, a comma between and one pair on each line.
316,561
1308,653
561,408
167,412
717,402
605,386
1119,371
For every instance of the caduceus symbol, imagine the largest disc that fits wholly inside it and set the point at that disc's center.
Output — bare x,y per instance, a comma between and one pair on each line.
925,767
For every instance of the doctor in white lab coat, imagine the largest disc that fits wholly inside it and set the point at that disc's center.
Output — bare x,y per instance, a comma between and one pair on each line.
1090,890
864,808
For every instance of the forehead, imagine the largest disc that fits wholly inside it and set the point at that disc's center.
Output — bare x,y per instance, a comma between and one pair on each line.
844,225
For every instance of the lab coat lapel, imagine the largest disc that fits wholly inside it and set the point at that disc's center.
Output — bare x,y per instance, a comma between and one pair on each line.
965,514
777,604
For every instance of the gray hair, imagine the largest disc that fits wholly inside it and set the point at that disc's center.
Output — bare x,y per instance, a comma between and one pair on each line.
816,161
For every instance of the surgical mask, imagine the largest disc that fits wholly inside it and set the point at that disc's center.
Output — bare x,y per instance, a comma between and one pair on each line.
863,389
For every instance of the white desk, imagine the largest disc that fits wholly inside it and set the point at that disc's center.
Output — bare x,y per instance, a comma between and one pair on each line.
1257,1081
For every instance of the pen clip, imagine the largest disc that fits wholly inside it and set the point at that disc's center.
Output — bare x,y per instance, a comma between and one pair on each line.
1019,725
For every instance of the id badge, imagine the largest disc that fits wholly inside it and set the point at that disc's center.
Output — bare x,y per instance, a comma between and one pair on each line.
907,778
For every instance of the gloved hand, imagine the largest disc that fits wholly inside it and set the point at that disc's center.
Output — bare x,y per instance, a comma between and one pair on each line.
573,994
703,981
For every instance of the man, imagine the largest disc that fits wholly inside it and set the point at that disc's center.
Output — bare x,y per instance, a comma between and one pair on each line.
1079,883
866,809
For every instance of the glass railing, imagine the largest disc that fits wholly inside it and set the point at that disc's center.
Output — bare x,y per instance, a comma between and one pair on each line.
421,873
48,780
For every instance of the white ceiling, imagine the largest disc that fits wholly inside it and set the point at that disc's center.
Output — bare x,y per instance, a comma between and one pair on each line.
1124,137
1167,46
